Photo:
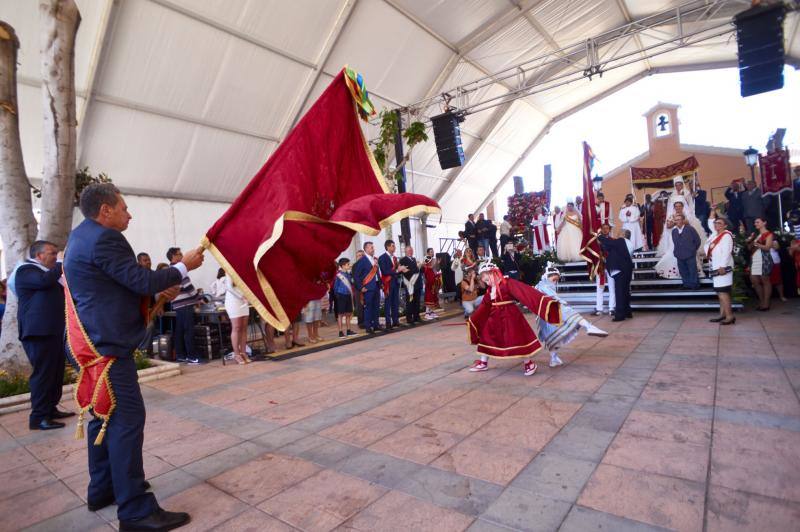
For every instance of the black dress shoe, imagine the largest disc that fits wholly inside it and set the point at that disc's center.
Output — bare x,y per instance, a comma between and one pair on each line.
46,424
108,500
717,320
157,521
368,331
58,414
618,319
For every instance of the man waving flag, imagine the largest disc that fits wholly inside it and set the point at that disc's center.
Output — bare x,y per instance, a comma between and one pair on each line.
279,239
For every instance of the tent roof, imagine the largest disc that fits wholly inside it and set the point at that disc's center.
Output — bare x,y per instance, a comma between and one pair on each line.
187,98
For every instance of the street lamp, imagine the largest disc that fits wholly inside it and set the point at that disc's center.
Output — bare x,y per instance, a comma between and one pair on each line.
597,182
751,158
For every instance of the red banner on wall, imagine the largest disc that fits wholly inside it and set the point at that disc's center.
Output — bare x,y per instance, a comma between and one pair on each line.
775,174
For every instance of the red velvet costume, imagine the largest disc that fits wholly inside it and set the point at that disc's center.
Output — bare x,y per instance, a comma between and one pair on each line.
500,329
433,282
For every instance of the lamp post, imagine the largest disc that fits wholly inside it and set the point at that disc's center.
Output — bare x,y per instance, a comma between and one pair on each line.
597,183
751,158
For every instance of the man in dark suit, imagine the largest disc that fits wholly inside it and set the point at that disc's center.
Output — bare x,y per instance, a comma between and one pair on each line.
491,234
107,286
735,209
390,279
365,274
412,279
471,233
702,208
41,329
619,265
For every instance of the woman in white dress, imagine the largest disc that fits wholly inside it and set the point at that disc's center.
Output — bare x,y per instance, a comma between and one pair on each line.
238,310
630,216
680,202
719,250
570,235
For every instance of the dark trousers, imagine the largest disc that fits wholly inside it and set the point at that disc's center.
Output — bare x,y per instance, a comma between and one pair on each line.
493,247
372,305
412,304
622,293
473,244
184,332
503,241
115,466
649,234
46,355
749,224
358,310
688,271
391,305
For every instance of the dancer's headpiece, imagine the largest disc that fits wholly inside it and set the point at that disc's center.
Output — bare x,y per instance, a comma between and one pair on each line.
487,267
551,269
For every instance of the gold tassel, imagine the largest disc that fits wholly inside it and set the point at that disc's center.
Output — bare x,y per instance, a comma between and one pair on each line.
79,427
102,433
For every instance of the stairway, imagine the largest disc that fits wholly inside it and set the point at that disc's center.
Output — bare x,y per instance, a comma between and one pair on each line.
648,291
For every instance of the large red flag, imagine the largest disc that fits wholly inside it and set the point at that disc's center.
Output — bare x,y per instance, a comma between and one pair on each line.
279,239
590,247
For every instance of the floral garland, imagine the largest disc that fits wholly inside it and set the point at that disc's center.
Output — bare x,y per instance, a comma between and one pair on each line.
521,208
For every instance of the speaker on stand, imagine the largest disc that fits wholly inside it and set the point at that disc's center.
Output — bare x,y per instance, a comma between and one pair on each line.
759,35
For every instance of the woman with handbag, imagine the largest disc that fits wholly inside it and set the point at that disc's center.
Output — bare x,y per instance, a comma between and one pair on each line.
719,250
760,243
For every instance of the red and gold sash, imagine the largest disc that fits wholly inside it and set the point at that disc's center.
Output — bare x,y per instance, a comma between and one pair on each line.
368,279
716,241
93,389
386,280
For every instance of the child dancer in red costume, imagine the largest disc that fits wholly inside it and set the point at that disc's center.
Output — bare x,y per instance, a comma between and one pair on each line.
498,326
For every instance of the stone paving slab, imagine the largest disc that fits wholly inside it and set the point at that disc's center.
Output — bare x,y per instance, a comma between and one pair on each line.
670,423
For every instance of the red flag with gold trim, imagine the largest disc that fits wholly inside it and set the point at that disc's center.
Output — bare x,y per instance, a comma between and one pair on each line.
301,210
590,247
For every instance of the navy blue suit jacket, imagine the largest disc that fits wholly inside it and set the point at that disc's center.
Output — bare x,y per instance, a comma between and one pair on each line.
41,301
107,285
618,257
361,269
385,266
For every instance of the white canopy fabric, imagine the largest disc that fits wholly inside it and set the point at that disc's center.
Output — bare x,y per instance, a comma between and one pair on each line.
187,98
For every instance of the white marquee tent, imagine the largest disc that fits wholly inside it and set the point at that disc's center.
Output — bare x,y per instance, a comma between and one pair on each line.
181,101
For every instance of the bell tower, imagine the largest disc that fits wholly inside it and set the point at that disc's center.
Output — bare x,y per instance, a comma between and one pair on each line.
663,128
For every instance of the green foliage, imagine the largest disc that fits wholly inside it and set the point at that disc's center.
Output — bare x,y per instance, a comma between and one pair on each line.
741,261
83,178
13,384
17,383
415,133
384,147
142,362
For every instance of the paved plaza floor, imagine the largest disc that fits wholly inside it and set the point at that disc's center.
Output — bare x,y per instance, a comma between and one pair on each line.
671,422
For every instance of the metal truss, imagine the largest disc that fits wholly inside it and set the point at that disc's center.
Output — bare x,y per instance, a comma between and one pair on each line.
687,25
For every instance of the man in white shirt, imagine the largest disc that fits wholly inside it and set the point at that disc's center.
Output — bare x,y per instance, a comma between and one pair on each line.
505,232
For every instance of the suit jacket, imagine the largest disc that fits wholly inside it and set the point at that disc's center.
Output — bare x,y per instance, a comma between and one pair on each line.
510,264
413,268
701,205
685,242
386,266
107,285
361,269
41,301
734,198
617,255
470,230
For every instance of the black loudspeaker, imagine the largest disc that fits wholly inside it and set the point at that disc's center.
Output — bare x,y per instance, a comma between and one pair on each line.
448,275
447,134
759,34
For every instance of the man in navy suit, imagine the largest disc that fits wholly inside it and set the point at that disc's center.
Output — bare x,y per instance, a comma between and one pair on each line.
390,277
107,286
365,274
41,329
619,265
